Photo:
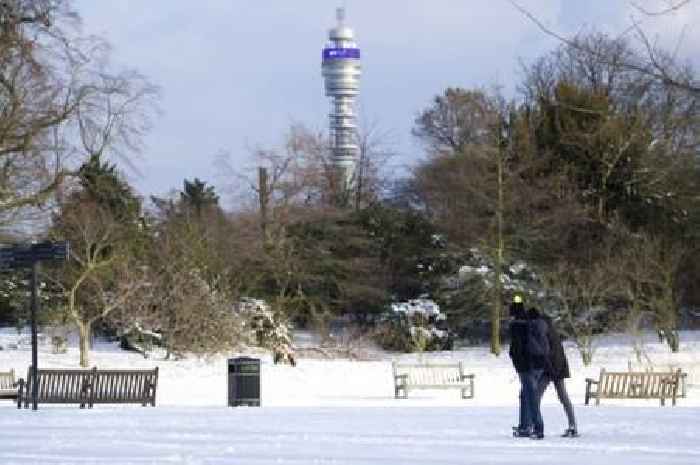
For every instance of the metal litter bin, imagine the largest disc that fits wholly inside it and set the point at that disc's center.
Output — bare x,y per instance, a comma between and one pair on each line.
244,382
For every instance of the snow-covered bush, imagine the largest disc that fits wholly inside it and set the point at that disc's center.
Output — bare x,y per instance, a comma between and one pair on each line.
184,313
413,326
138,339
267,329
422,306
469,290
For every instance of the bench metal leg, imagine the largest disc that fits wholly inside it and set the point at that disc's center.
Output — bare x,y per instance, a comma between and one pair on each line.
589,392
673,401
469,388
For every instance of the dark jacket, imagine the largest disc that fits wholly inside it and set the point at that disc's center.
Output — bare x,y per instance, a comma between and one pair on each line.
518,338
559,368
538,350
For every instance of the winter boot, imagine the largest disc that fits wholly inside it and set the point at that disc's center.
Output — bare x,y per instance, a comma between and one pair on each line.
570,433
537,435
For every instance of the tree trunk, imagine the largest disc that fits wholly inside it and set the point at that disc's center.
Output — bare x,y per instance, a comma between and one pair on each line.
263,195
584,343
496,313
672,339
587,357
498,298
670,318
634,322
359,179
84,342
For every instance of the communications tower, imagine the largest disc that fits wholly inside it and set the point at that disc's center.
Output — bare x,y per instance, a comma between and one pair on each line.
341,74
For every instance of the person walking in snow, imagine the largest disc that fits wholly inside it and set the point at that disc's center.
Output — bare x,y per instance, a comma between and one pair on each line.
518,355
556,372
538,360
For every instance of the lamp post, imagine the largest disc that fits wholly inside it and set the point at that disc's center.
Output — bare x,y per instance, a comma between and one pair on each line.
29,256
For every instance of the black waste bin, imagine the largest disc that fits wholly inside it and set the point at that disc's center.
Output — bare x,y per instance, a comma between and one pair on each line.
244,382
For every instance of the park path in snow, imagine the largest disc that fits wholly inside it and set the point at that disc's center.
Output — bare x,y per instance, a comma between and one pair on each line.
344,412
342,435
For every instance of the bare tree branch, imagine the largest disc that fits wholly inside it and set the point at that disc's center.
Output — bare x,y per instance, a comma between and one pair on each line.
671,8
653,67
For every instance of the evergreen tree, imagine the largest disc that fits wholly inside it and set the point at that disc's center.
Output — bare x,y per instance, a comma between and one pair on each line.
198,197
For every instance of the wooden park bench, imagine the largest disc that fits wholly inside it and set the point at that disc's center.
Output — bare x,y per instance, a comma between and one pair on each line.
634,385
89,387
410,376
8,385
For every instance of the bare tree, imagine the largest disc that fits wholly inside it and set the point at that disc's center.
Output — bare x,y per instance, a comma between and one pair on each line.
114,116
295,174
655,63
375,153
189,314
456,119
36,96
651,267
60,102
301,172
579,297
100,276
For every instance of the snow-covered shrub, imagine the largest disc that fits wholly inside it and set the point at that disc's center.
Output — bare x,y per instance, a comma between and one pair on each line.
413,326
267,328
183,312
138,339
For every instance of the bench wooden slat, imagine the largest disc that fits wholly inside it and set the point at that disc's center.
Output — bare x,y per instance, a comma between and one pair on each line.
8,385
127,386
89,387
634,385
409,376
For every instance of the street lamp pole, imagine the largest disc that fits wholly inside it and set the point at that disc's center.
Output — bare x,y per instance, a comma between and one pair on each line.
34,312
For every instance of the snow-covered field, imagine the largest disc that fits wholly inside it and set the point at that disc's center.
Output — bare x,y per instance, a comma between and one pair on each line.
344,412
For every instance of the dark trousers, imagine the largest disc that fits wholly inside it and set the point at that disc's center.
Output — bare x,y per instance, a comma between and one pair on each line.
532,400
563,396
524,417
530,414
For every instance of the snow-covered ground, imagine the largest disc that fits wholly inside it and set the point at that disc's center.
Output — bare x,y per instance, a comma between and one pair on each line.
344,412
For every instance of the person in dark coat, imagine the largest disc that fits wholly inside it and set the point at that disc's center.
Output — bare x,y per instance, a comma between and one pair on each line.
556,372
518,355
539,360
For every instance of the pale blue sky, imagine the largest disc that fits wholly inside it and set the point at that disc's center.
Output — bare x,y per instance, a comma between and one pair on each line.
236,73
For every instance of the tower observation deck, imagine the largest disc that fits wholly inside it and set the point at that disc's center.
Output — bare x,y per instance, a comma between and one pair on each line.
341,74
